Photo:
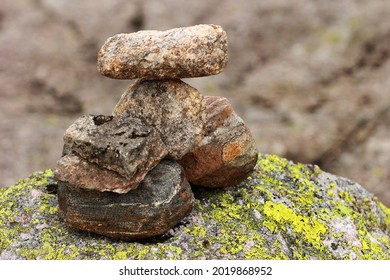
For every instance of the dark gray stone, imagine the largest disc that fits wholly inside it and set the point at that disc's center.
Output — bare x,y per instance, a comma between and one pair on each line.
125,145
161,201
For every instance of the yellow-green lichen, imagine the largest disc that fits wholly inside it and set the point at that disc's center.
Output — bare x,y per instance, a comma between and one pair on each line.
311,229
234,224
121,255
50,247
196,231
12,217
307,199
386,212
284,211
372,249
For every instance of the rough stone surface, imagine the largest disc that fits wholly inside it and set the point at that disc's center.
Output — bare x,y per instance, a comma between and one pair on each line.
80,173
172,107
283,211
227,152
160,202
185,52
125,145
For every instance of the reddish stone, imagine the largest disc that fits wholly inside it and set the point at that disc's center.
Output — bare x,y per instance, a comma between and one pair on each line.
227,154
80,173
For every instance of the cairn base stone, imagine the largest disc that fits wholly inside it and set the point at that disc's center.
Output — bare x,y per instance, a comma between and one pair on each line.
160,202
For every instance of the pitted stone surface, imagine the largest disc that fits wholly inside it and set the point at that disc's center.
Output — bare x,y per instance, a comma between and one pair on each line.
186,52
161,201
125,145
172,107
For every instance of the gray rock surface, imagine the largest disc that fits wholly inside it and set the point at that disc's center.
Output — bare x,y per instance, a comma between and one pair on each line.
283,211
184,52
227,152
160,202
124,144
170,106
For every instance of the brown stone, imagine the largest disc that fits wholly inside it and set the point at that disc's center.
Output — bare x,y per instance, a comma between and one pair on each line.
186,52
124,145
80,173
161,201
227,154
172,107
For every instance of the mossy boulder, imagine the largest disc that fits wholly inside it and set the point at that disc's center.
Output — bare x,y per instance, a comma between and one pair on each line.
283,211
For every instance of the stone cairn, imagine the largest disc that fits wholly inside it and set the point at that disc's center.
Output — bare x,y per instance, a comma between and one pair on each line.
127,176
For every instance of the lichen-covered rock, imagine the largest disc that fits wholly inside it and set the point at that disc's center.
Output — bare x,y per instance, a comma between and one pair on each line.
227,153
172,107
160,202
194,51
125,145
283,211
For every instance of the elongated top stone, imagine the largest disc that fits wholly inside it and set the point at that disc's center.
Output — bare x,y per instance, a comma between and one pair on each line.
186,52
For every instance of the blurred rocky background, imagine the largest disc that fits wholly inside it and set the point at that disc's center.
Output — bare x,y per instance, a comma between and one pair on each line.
310,78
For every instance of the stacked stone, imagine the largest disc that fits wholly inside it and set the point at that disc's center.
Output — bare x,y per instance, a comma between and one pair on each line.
128,175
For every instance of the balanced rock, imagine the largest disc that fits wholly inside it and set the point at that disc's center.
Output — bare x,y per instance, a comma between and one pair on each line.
195,51
161,201
124,145
172,107
227,153
127,176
